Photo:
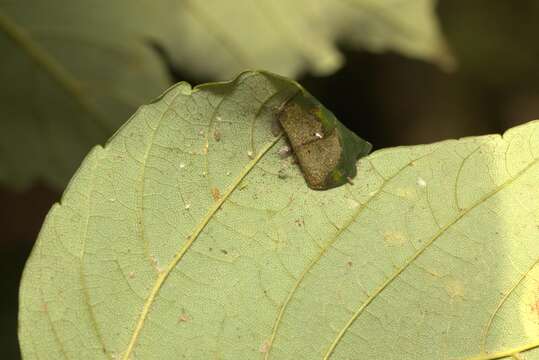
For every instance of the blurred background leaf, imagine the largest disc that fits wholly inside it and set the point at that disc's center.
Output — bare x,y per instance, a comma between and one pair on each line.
74,71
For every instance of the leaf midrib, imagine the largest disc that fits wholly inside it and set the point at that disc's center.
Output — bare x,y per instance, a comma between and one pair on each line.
163,275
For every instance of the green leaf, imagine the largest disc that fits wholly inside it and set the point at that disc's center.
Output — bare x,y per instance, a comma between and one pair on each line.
69,77
181,239
73,71
289,37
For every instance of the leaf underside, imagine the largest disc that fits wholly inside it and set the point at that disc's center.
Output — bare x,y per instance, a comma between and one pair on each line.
188,236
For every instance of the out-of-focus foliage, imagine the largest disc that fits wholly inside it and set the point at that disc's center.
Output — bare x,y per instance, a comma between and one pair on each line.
221,38
73,71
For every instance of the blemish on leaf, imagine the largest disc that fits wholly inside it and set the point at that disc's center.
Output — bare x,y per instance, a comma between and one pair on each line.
394,238
183,318
216,135
529,302
282,174
201,133
131,274
187,206
407,193
155,263
264,348
284,151
250,154
454,288
421,182
182,165
216,194
224,251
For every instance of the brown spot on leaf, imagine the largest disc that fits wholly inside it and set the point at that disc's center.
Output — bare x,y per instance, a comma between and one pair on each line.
217,135
216,194
183,318
264,348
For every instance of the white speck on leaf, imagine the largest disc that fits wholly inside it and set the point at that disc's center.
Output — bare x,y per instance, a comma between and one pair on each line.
182,165
284,152
250,154
318,135
421,182
187,206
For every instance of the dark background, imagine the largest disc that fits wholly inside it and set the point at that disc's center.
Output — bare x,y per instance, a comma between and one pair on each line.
388,99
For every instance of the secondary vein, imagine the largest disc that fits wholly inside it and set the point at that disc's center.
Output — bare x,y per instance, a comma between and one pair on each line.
442,231
163,275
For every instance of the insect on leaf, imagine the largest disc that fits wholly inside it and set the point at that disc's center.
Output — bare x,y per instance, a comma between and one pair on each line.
326,150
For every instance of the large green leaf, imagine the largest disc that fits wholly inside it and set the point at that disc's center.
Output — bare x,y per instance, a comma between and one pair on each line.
221,38
71,71
68,78
189,236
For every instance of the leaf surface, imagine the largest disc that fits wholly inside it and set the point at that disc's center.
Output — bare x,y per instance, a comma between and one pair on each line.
290,37
172,242
73,71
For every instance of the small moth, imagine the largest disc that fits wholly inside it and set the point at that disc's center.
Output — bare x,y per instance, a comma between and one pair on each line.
327,151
